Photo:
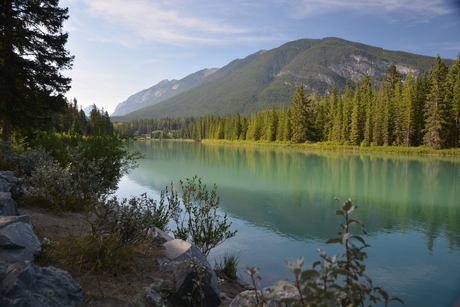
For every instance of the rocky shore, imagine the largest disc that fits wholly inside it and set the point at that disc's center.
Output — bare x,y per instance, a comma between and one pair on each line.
173,262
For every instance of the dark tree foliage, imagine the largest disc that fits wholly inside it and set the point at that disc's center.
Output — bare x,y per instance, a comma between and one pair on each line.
436,109
74,121
32,57
301,117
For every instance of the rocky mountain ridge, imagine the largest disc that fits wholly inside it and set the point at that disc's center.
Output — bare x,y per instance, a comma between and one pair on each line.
161,91
269,77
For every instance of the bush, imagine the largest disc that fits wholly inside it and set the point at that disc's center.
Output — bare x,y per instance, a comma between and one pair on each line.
71,172
96,162
339,280
195,214
131,220
116,229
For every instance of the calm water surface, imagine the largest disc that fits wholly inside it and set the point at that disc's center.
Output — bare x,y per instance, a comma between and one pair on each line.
281,201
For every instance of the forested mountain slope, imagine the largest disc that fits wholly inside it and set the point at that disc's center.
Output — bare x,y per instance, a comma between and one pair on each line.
268,78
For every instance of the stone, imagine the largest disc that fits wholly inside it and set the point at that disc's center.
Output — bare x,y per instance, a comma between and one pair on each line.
161,236
8,206
8,220
289,291
152,297
14,183
194,285
175,248
189,266
18,241
224,297
26,284
4,186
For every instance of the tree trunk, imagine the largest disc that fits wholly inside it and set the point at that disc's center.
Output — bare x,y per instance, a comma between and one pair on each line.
6,129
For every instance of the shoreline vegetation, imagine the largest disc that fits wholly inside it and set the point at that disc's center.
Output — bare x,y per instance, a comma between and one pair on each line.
452,152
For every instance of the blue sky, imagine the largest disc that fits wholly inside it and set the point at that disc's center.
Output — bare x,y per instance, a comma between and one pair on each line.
122,47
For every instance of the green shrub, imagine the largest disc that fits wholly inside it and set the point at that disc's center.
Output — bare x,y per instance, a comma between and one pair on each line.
195,214
131,220
71,172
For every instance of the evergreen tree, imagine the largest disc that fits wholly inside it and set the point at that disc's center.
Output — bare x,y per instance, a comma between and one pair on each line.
436,111
407,111
421,88
272,125
398,116
381,122
453,98
32,56
301,117
391,85
367,103
237,127
347,103
356,125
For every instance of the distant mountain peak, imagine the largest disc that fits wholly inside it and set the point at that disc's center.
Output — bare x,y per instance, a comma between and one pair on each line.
161,91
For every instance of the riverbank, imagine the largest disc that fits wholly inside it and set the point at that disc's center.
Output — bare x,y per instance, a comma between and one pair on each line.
452,152
103,289
337,147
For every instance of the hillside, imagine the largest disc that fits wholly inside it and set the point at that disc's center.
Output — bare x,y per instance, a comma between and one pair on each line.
269,77
163,90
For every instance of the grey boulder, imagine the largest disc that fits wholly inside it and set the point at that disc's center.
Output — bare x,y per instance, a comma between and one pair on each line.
25,284
18,241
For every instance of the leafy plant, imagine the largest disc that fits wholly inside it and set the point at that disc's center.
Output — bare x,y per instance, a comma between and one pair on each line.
337,280
195,214
131,220
200,273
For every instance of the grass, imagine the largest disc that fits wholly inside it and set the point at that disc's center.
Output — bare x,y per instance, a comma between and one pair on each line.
337,147
228,265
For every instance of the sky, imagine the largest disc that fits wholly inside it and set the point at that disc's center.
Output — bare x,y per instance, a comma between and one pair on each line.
122,47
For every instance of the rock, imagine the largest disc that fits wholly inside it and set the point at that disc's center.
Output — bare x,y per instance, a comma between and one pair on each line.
194,286
18,241
8,206
152,297
14,183
224,297
8,220
22,283
25,284
161,236
289,291
4,186
191,269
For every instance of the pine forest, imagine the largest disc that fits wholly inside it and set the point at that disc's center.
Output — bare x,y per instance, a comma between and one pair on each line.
404,110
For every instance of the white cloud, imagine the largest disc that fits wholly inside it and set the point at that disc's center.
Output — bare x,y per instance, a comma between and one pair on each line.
178,22
412,8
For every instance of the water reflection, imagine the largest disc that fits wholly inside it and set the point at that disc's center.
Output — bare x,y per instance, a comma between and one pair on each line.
291,191
282,203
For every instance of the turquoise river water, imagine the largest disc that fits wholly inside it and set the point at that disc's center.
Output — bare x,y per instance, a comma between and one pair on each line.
281,201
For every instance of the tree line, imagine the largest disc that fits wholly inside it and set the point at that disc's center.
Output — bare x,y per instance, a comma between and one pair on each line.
404,110
73,120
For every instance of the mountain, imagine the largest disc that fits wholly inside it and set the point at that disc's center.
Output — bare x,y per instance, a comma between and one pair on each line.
163,90
269,77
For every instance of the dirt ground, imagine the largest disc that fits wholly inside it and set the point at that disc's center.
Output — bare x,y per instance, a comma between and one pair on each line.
103,289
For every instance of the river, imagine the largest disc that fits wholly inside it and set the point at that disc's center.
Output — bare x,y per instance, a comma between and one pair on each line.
281,201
